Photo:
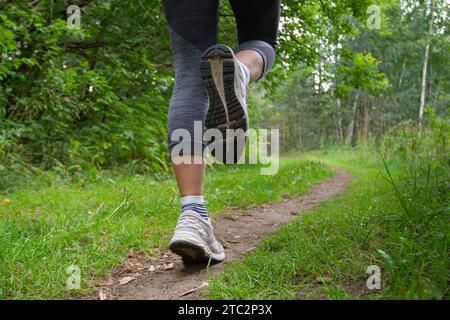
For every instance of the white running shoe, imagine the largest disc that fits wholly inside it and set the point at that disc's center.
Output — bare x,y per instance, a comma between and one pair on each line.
194,239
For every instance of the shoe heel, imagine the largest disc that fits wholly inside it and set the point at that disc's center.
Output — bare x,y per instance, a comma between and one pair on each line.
218,50
188,251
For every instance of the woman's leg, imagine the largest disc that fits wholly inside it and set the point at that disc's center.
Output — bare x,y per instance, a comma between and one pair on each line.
189,176
253,61
257,24
193,28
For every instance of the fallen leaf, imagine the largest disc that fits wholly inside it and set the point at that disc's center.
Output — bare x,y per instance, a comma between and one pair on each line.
223,243
5,202
106,283
249,249
203,285
102,295
322,280
126,280
294,213
168,266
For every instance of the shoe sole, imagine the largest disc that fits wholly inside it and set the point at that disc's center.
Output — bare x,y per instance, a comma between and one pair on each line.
225,111
190,252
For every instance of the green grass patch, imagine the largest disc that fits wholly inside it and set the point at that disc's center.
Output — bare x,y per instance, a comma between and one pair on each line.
397,220
92,221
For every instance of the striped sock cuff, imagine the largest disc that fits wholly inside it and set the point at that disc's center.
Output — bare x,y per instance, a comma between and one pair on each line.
199,208
194,203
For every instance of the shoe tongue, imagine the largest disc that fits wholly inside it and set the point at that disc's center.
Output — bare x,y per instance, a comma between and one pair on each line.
192,213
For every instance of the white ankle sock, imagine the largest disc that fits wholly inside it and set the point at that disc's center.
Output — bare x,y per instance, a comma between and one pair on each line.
194,203
246,73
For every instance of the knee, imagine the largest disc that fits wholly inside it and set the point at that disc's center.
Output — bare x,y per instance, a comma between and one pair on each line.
265,49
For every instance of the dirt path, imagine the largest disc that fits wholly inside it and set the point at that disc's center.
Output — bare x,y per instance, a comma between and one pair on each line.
239,232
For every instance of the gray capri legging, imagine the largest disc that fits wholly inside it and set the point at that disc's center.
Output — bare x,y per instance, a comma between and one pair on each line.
193,28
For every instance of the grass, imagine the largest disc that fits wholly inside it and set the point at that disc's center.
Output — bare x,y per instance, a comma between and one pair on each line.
91,221
393,216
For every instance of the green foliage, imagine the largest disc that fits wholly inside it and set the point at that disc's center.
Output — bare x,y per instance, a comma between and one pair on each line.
82,98
417,264
395,215
363,73
98,96
360,78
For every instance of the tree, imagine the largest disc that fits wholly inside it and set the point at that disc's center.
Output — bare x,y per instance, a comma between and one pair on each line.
425,66
363,75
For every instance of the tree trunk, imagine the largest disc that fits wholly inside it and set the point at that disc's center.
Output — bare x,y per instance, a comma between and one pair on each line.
351,125
425,67
402,73
366,119
339,133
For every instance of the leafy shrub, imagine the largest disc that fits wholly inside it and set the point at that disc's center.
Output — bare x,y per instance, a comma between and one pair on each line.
66,101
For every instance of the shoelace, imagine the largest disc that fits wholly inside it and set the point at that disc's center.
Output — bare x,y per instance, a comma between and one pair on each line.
189,221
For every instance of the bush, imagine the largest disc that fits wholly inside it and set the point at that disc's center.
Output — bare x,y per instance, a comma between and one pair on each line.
62,105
